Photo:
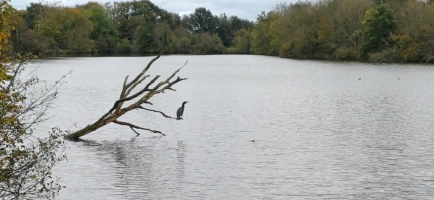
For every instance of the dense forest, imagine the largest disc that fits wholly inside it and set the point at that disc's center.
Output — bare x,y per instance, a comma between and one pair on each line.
372,30
122,27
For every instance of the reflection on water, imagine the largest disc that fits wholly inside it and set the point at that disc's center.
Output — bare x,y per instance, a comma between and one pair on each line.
319,131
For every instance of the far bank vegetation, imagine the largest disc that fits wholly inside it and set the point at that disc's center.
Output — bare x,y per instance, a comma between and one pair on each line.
367,30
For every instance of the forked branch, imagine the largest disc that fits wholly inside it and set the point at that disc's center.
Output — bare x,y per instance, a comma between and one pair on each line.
141,97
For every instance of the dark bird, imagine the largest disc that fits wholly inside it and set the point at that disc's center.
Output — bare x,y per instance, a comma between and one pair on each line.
180,111
360,79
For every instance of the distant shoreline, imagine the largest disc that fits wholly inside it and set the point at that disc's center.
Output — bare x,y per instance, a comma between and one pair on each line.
55,56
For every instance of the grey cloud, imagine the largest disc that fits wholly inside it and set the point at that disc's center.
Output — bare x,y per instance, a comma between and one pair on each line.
242,8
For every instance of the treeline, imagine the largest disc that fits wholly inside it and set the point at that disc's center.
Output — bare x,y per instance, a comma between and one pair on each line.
373,30
122,27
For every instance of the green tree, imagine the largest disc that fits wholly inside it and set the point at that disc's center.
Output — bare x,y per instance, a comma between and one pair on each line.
242,41
162,36
206,43
201,21
79,32
25,39
341,28
181,41
238,24
103,32
224,29
34,12
425,33
379,24
261,38
124,46
143,38
298,38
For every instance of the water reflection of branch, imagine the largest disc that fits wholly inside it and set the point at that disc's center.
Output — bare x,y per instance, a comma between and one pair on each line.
180,155
145,166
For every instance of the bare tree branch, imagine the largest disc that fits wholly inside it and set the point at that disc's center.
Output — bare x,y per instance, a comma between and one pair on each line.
129,98
174,73
124,88
162,113
132,126
169,85
15,75
144,70
141,97
135,85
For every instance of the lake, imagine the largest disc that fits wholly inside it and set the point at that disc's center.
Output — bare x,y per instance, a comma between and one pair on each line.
321,130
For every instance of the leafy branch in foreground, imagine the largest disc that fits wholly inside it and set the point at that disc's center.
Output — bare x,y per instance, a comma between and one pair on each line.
26,161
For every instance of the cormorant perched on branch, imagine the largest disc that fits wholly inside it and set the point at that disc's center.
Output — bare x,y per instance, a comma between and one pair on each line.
180,111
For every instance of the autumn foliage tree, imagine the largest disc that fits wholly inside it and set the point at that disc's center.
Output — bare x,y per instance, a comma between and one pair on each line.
120,27
321,29
382,31
26,160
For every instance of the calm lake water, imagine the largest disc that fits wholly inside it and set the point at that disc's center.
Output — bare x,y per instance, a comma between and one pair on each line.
319,131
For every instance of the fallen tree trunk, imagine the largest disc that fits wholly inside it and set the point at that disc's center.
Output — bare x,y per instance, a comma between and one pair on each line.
141,97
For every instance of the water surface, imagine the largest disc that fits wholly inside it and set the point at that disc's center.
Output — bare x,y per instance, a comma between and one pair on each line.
319,131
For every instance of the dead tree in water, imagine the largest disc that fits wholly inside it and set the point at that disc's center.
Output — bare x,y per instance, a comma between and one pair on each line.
141,97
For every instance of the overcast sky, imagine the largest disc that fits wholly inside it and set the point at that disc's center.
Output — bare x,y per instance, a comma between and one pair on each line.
247,9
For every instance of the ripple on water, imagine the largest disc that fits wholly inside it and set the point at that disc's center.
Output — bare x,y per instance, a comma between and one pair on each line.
319,131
